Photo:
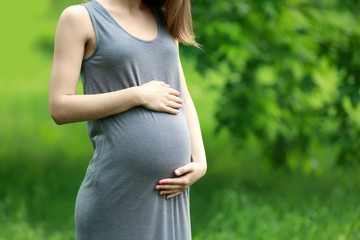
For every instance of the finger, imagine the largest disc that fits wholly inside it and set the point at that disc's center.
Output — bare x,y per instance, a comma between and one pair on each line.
183,170
162,83
175,99
170,181
170,110
174,92
171,195
178,183
167,192
174,105
168,187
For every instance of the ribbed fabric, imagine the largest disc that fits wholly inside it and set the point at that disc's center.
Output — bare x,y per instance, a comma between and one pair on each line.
133,150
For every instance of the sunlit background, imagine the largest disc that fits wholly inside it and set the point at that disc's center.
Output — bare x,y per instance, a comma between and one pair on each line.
277,93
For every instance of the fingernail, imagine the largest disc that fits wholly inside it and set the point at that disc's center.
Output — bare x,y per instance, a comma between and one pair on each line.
177,172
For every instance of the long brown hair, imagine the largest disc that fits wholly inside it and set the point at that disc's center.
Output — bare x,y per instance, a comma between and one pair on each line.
177,14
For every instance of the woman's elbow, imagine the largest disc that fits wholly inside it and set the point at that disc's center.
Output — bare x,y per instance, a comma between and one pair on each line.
58,120
57,113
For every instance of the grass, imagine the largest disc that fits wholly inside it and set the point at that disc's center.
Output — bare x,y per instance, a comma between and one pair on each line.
279,206
38,203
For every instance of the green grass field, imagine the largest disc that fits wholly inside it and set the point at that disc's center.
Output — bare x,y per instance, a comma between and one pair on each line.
38,202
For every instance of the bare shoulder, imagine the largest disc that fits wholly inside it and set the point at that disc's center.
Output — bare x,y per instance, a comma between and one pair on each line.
76,19
74,13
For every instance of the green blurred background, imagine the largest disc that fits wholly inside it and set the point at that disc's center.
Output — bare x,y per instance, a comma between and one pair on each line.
277,93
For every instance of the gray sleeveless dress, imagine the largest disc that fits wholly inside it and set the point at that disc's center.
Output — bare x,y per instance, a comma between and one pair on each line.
133,150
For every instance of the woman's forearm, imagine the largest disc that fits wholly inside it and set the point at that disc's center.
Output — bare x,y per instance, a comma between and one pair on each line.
197,146
198,154
154,95
76,108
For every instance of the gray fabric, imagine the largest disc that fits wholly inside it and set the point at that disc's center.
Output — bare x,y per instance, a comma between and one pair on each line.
135,149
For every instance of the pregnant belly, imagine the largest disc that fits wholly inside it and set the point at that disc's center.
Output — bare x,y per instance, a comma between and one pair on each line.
143,143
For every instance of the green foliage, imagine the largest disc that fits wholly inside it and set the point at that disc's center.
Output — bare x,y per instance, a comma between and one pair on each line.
292,76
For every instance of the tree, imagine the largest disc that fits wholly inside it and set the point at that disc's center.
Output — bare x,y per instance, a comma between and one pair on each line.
294,75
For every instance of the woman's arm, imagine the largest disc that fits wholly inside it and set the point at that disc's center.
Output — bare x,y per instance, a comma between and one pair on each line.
192,172
73,33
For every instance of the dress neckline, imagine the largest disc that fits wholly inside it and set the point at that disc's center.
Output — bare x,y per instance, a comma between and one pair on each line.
123,29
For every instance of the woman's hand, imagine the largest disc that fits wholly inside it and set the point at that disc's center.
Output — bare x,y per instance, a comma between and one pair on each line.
187,175
158,96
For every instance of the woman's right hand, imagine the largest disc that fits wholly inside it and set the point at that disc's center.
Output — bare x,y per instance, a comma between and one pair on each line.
159,96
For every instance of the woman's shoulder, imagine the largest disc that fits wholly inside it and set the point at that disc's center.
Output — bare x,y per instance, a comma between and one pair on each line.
75,19
74,13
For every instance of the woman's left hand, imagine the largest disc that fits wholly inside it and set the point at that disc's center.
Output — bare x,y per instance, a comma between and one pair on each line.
187,175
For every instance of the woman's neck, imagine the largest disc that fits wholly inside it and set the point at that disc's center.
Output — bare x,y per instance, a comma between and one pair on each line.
129,5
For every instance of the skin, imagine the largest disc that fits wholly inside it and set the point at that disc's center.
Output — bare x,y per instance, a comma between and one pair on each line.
75,40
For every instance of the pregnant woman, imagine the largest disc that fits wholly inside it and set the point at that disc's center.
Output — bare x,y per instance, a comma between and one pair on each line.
141,120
